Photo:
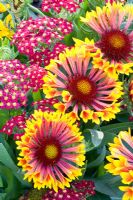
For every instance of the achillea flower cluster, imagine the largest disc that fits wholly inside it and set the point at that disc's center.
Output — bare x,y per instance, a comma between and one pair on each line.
51,150
79,190
40,38
111,1
16,80
45,104
121,161
88,93
32,76
112,23
56,5
46,55
15,125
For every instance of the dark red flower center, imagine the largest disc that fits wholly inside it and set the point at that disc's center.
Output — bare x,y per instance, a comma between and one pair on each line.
115,45
48,152
82,89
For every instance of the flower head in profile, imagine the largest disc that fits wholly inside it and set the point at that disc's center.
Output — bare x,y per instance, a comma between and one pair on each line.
51,150
112,23
121,158
87,92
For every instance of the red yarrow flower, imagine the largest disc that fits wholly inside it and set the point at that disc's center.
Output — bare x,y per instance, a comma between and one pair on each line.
38,38
16,79
16,124
79,190
56,5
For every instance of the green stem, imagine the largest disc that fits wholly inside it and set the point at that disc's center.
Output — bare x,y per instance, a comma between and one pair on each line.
35,10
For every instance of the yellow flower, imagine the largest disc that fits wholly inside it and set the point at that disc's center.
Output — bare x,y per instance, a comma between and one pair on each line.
127,177
5,31
120,160
4,7
128,192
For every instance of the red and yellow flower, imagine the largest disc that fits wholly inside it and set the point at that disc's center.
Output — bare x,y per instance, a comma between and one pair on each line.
112,23
121,155
51,150
131,90
84,91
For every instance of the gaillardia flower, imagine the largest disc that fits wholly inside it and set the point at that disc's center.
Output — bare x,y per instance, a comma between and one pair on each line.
112,23
52,150
87,92
121,158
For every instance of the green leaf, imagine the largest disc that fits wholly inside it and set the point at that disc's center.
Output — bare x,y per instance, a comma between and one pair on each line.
99,196
2,196
99,159
13,187
36,95
4,116
1,182
6,159
107,184
93,138
115,128
97,137
129,1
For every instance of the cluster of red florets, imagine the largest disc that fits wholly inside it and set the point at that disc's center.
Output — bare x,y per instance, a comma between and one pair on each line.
17,124
79,190
15,81
45,104
39,39
56,5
